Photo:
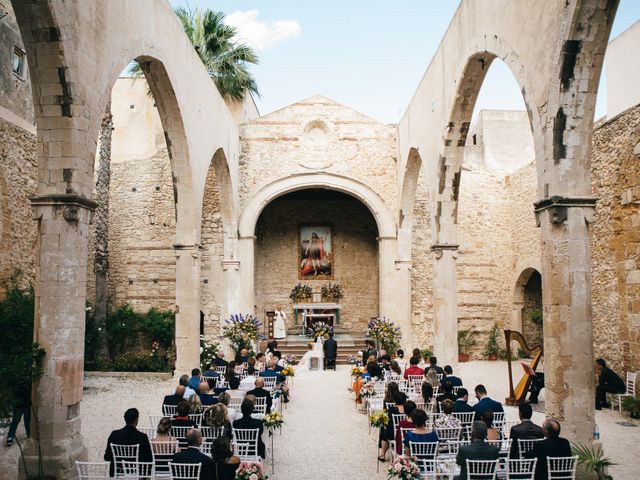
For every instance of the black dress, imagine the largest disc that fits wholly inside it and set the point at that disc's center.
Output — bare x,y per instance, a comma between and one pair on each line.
225,471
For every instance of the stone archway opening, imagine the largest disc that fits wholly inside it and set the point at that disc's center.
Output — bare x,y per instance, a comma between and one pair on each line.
350,243
527,304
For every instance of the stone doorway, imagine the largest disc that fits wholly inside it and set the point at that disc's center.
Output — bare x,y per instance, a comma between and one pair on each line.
528,306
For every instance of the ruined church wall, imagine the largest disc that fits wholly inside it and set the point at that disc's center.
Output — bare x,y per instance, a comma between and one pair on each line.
615,241
18,181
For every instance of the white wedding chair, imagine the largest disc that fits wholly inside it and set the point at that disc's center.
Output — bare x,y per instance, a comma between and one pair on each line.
423,449
270,383
180,433
92,470
162,454
448,434
123,453
481,469
526,444
248,437
196,417
169,410
521,469
211,433
562,468
149,432
137,470
221,370
154,420
396,418
185,471
630,392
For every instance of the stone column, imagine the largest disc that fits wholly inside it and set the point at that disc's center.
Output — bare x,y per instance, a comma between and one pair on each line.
445,304
517,322
231,288
60,296
568,339
187,307
246,289
403,297
389,288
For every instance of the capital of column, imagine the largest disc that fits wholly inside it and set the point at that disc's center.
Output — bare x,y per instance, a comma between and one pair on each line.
406,264
230,265
558,208
69,204
194,248
439,248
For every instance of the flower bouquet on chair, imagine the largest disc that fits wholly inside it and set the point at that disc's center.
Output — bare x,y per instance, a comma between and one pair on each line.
368,390
273,421
288,371
404,468
251,471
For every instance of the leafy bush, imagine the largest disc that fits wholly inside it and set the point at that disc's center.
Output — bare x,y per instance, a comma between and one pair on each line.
20,357
139,362
536,317
466,340
492,347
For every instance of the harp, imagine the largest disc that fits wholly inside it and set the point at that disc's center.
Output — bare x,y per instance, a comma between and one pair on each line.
517,395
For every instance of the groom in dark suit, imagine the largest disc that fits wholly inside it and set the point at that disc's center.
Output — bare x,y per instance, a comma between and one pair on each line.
331,351
478,449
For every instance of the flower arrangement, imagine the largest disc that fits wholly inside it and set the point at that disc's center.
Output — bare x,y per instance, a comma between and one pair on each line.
288,371
242,330
207,352
273,421
319,329
378,419
251,471
367,390
300,292
290,359
353,359
356,371
404,468
332,292
385,332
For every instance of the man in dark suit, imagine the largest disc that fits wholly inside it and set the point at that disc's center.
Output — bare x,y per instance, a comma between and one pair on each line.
129,435
608,382
552,446
369,351
247,421
193,454
448,393
450,377
478,449
206,397
331,351
433,365
175,398
461,404
526,429
259,391
219,361
485,403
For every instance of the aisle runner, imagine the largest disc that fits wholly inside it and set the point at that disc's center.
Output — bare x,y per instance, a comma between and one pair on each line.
324,436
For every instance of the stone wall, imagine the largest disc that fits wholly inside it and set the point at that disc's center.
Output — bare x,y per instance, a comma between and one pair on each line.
18,181
615,241
354,246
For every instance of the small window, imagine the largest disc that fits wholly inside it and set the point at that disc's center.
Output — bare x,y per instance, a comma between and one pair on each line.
18,61
475,140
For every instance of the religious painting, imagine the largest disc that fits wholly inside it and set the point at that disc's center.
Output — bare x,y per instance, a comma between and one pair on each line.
316,254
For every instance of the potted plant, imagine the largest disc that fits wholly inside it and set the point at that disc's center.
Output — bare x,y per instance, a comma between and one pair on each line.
631,405
492,349
592,459
466,341
536,317
301,293
332,292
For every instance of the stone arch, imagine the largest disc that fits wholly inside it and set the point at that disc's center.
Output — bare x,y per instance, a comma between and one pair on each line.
379,210
522,301
408,189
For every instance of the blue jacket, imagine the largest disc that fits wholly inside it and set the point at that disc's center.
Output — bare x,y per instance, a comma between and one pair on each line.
486,404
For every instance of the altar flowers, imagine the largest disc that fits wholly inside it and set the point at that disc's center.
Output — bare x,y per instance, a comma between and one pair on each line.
404,468
242,331
385,332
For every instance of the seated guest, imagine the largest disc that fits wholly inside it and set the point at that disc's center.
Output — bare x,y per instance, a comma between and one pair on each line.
413,369
219,361
448,393
259,391
399,359
394,368
244,356
234,388
163,434
176,397
420,432
433,365
206,397
427,395
224,399
478,449
188,391
279,363
369,351
485,403
231,371
129,435
194,381
217,416
260,361
374,371
461,404
492,432
225,463
251,374
450,377
447,420
385,360
387,433
272,370
552,446
526,429
211,371
193,454
247,421
608,382
431,377
390,392
182,419
409,407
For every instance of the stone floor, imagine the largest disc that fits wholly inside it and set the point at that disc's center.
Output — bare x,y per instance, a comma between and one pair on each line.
324,436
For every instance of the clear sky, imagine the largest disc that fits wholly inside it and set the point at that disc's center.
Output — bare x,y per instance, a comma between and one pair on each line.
366,54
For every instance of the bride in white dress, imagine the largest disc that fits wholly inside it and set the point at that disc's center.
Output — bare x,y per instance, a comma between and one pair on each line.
316,352
279,328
